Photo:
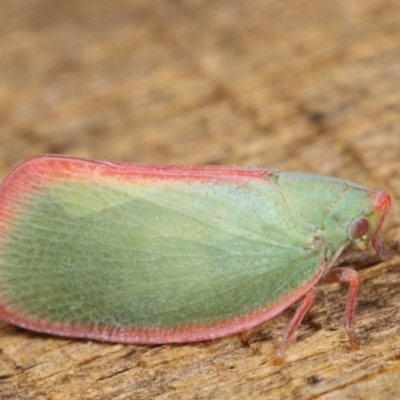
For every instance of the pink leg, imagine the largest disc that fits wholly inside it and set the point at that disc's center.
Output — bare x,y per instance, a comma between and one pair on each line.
352,277
379,248
294,324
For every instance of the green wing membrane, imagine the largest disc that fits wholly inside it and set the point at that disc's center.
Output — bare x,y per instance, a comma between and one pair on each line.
153,254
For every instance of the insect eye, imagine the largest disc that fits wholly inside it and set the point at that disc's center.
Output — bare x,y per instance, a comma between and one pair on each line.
358,228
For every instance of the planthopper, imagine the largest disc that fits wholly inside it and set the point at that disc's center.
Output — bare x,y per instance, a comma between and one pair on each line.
157,254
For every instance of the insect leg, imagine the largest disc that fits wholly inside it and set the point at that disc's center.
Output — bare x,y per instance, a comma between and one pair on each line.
379,248
352,277
294,324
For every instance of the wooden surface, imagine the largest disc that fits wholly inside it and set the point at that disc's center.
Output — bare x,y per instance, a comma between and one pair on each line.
299,85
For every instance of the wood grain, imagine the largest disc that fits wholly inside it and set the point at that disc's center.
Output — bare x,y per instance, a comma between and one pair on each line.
298,85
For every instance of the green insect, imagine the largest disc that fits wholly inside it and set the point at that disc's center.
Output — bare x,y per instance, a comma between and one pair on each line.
157,254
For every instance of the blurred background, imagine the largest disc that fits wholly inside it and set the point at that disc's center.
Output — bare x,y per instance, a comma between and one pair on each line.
309,85
306,85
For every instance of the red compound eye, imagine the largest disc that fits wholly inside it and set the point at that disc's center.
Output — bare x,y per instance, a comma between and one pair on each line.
358,228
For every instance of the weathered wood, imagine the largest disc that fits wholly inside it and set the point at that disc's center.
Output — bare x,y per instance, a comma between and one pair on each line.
301,85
